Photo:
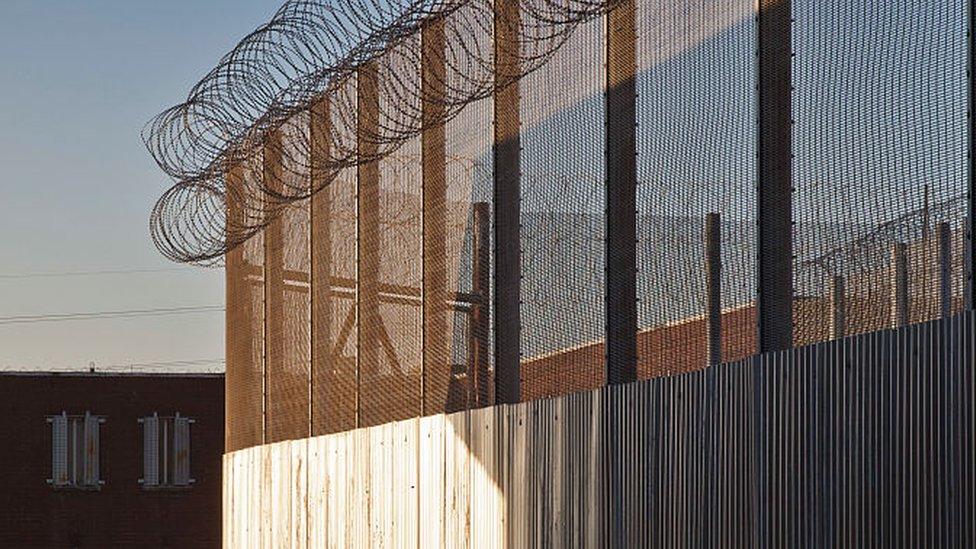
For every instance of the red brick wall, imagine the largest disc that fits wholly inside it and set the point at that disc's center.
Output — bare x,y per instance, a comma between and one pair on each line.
663,350
121,514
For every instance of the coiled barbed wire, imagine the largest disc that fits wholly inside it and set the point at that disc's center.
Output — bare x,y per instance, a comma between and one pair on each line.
262,97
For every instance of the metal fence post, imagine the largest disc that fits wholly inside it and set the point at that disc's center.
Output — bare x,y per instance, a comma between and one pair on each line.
367,232
240,419
899,285
943,236
775,205
713,286
480,317
621,246
274,287
971,153
320,272
434,214
967,290
838,308
507,197
621,194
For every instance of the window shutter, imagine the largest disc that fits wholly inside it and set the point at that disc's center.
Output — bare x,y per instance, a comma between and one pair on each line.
181,451
150,450
90,458
59,449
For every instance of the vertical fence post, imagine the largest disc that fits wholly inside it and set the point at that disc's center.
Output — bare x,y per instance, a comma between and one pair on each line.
971,154
239,419
320,272
274,285
838,308
507,196
621,194
967,250
899,285
775,208
480,284
367,232
434,220
713,286
774,246
621,248
944,238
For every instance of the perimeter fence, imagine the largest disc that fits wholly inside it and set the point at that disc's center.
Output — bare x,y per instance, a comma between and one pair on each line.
446,222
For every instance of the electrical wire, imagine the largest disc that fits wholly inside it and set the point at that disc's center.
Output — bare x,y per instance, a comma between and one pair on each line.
60,274
131,313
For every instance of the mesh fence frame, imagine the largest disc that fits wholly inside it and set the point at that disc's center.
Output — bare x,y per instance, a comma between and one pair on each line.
375,300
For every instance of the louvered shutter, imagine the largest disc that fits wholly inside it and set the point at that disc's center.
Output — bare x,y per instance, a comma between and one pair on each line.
59,449
150,452
90,457
181,451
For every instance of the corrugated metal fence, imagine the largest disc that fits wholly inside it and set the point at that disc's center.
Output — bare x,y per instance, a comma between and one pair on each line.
865,441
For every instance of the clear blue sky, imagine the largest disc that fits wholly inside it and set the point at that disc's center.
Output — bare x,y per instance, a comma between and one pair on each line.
78,80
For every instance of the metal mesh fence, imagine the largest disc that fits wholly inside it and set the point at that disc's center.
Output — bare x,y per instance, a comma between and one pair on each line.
696,146
245,320
334,246
563,218
429,230
880,156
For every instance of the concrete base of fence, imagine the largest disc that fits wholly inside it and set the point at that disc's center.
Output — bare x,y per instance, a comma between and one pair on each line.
866,440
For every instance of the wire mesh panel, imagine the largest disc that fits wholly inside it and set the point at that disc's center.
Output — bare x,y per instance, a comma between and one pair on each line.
246,364
289,387
391,360
435,367
696,155
465,377
460,374
321,295
563,219
880,153
275,419
245,333
334,249
286,286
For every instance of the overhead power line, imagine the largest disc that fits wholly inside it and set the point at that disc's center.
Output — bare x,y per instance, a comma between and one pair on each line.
161,364
189,362
64,317
103,272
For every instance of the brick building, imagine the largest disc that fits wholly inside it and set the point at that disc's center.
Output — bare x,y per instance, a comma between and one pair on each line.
111,460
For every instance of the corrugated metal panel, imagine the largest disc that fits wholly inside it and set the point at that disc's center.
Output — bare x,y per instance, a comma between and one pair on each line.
864,441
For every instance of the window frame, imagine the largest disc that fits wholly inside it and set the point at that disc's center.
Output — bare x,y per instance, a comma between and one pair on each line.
166,458
80,432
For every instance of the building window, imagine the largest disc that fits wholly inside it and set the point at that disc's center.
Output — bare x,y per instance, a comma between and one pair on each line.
166,451
74,451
